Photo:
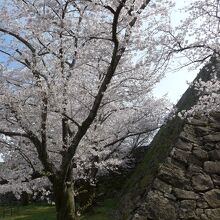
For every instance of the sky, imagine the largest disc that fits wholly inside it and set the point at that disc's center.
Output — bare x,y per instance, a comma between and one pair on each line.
175,84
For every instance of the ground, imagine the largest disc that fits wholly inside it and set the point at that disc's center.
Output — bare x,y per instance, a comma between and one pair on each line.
103,211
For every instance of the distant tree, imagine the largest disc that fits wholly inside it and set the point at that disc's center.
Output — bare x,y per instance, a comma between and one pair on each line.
75,89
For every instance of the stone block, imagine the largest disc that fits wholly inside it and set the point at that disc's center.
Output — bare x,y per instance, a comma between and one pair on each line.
214,155
199,212
202,131
216,115
159,207
212,197
173,175
203,217
202,182
187,137
209,146
215,126
170,196
187,209
201,154
180,155
180,144
213,214
162,186
212,167
198,122
202,204
194,169
216,180
195,160
185,194
188,204
212,137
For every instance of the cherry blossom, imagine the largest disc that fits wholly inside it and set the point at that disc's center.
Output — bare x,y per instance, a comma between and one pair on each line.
75,89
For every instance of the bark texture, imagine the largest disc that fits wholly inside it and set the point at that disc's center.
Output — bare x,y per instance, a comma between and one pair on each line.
65,201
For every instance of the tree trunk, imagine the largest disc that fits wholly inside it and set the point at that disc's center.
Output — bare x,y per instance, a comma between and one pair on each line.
65,202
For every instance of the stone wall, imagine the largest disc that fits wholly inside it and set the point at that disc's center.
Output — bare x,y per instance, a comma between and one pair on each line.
187,185
179,174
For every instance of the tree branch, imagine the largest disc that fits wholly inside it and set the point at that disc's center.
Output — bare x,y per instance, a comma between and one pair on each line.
10,55
131,135
13,134
18,37
68,155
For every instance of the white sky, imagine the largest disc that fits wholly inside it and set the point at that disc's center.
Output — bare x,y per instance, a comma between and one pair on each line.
174,84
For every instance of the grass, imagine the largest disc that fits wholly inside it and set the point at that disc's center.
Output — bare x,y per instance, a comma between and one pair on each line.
30,212
103,211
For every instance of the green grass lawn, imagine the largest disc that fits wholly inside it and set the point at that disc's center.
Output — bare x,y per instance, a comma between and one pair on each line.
103,211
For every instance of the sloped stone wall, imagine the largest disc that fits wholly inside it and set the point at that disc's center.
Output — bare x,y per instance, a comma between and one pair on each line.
187,185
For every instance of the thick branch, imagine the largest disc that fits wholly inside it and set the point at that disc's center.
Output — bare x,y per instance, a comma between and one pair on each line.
116,56
96,104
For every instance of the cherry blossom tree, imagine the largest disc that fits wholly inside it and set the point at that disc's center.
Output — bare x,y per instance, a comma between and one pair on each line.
75,89
198,39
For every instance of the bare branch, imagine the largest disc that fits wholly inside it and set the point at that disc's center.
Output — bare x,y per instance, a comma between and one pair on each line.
131,135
